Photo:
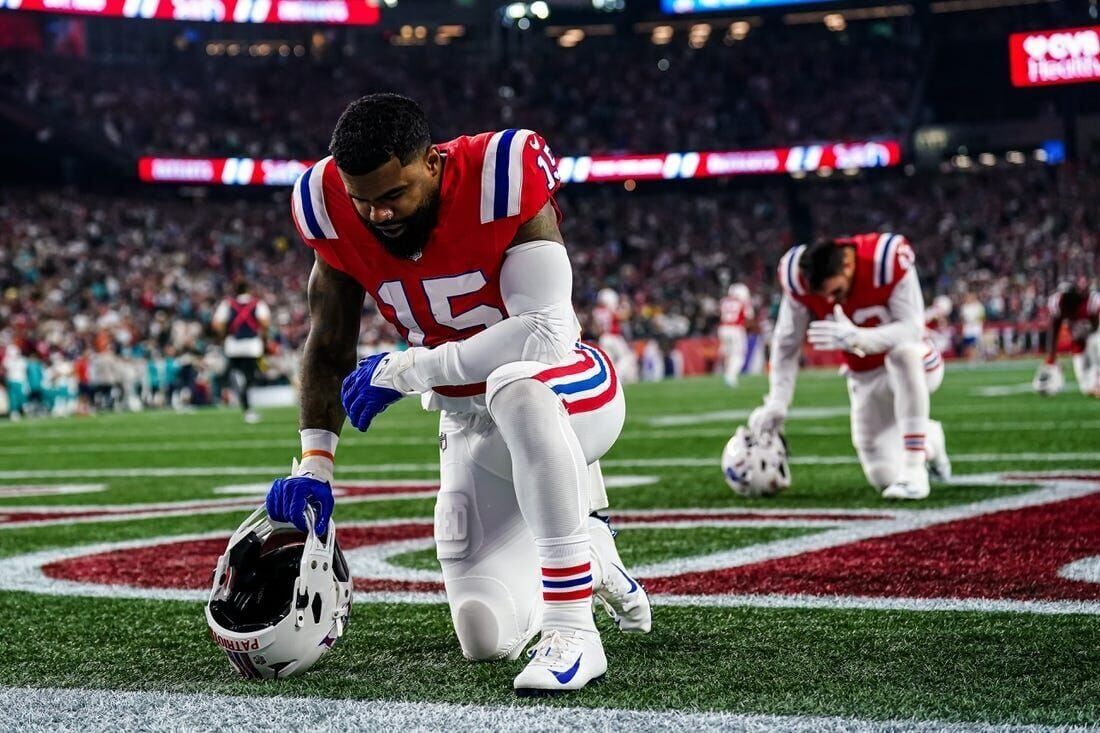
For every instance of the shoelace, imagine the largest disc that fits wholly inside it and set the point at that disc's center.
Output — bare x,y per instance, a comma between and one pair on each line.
552,649
617,586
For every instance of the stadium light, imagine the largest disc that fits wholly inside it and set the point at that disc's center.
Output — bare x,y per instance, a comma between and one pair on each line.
835,22
739,30
515,11
540,10
700,33
662,35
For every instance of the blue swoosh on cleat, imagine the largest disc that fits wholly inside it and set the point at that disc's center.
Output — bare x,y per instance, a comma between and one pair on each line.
564,677
633,585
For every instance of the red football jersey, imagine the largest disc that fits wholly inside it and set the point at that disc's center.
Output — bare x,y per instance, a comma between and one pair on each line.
881,261
734,311
492,183
607,320
1078,315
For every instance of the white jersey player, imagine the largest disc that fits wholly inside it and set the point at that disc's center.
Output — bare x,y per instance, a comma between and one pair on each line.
867,287
607,318
735,311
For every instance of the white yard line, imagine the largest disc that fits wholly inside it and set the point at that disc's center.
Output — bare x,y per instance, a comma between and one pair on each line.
349,470
290,444
35,709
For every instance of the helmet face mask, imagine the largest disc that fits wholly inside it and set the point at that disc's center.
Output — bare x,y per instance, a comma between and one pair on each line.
280,599
756,465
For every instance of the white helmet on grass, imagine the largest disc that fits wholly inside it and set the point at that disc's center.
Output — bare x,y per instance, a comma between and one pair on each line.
756,464
280,599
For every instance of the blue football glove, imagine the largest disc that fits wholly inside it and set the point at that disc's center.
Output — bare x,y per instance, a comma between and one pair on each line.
362,399
288,497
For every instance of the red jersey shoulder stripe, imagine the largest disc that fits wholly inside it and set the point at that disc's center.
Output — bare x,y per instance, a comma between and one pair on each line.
308,202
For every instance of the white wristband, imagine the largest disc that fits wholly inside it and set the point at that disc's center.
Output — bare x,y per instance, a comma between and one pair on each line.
318,453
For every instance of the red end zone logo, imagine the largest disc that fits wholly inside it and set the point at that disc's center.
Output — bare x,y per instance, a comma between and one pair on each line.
1035,551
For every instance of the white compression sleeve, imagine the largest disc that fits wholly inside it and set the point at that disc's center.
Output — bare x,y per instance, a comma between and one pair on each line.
906,306
790,332
536,282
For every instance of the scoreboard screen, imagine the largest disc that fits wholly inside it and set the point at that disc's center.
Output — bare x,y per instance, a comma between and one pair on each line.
1064,56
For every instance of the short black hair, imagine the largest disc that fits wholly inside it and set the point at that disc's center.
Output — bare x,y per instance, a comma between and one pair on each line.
376,127
820,261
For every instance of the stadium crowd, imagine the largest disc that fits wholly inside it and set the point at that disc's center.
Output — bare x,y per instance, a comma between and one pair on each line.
106,301
763,90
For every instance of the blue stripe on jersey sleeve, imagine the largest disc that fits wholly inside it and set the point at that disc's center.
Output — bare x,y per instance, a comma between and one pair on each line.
790,271
307,207
500,189
886,249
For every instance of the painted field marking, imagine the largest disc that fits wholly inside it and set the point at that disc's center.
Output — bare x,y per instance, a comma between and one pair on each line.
1086,570
1002,390
25,572
252,495
73,709
693,418
429,440
685,462
380,490
16,492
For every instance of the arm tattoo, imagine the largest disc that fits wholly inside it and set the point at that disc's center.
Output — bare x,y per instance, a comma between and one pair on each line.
335,305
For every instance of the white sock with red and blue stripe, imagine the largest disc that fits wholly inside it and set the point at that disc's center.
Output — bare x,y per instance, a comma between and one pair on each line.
566,582
913,434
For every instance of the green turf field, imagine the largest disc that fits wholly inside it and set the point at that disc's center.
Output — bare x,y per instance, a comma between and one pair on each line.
979,622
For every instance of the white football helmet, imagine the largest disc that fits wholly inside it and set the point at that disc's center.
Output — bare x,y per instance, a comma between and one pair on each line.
739,291
756,465
280,599
1048,380
608,298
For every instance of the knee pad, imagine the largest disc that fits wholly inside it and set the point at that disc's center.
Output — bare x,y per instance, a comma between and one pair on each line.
516,373
906,356
490,622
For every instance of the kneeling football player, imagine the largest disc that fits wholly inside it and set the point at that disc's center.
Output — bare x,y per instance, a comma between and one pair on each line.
459,246
861,296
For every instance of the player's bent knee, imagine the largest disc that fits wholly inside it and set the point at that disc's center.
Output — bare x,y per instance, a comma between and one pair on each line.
488,621
906,355
516,380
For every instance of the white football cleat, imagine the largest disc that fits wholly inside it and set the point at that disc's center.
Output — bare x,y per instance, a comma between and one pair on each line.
911,483
622,596
940,464
562,661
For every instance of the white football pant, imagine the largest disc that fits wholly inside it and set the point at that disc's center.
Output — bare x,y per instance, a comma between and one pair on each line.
622,356
1086,366
890,402
491,568
732,341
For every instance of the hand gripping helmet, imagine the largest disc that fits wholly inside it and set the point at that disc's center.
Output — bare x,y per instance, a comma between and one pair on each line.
756,465
280,599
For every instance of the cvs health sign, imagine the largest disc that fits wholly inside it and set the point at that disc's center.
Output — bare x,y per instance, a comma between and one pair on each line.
1065,56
